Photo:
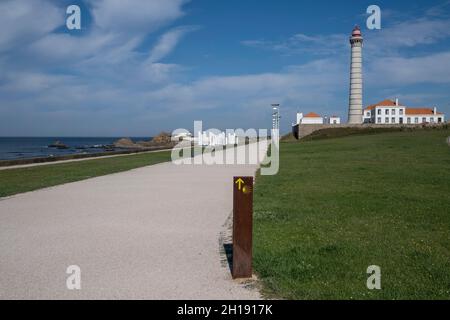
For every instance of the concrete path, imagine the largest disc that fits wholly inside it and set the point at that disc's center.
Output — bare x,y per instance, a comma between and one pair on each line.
148,233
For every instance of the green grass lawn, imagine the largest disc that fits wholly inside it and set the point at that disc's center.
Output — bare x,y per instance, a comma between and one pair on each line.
13,181
340,205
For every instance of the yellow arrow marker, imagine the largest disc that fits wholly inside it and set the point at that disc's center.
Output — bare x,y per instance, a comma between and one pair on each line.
240,182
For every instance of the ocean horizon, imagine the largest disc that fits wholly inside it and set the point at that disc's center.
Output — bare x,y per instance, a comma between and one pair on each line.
12,148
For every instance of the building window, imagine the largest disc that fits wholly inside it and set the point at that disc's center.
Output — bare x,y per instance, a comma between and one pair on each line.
386,120
424,120
379,120
393,111
432,120
401,112
408,120
386,112
379,111
368,114
393,120
416,120
439,120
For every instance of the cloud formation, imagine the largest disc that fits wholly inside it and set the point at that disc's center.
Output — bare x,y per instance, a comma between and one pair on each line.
111,79
168,42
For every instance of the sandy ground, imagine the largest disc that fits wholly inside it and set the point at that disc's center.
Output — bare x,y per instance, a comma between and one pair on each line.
148,233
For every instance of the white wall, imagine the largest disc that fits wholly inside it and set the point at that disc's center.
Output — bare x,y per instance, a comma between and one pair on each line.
334,120
208,138
299,117
367,115
389,115
308,120
428,118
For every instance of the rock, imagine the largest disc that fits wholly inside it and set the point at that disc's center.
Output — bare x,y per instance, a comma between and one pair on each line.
162,139
59,145
125,143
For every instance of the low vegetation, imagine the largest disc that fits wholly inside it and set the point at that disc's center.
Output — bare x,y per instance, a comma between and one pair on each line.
337,132
340,205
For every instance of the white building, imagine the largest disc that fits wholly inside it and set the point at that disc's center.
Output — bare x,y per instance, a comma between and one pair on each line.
334,120
310,118
392,112
314,118
209,138
182,136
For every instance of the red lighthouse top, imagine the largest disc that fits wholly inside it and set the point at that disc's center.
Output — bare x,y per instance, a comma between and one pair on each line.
356,32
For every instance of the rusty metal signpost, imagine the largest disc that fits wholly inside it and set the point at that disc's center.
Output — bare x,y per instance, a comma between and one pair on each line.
242,227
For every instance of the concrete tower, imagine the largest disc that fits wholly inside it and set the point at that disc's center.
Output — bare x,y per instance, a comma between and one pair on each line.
355,108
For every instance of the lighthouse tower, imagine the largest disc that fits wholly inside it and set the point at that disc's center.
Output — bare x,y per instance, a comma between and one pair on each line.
355,108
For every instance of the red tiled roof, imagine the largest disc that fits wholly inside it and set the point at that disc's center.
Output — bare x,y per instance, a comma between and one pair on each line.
312,115
384,103
420,111
410,111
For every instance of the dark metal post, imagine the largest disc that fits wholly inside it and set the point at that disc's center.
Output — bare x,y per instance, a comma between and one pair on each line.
242,227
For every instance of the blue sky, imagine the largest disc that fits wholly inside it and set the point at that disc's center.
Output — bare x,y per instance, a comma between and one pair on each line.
139,67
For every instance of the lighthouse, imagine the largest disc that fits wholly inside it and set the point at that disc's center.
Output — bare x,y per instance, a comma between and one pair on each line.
355,107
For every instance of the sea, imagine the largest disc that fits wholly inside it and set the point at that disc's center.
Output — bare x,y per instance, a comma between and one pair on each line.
12,148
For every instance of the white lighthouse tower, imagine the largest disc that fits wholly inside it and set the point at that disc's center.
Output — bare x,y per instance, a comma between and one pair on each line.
355,108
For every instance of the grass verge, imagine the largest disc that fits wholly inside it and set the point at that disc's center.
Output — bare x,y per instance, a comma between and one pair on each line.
340,205
14,181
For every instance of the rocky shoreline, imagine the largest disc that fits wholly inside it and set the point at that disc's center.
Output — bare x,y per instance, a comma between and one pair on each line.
163,139
119,147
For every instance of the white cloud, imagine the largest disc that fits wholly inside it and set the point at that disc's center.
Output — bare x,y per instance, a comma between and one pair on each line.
388,40
302,43
400,71
63,47
168,42
135,15
308,86
408,34
25,20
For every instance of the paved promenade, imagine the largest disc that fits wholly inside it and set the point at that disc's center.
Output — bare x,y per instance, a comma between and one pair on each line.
148,233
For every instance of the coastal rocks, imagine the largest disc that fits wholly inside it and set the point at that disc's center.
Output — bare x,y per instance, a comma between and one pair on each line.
59,145
125,143
162,138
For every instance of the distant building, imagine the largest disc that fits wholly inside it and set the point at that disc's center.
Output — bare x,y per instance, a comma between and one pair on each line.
334,120
310,118
392,112
182,136
208,138
314,118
